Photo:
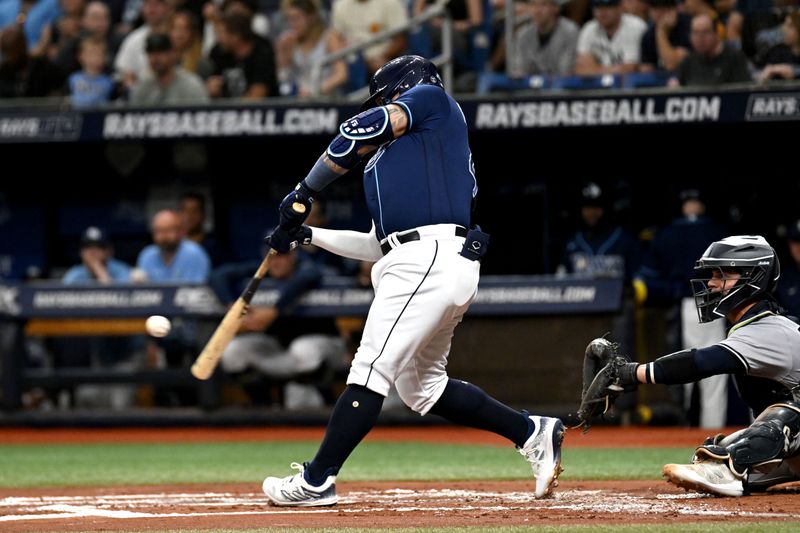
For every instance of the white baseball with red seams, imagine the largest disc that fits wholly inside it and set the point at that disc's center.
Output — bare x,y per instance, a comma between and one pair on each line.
158,326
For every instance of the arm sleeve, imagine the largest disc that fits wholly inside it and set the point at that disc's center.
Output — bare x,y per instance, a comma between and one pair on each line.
352,244
692,365
307,276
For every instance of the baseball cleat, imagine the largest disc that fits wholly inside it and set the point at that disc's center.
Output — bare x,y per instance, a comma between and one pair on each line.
711,477
543,451
295,491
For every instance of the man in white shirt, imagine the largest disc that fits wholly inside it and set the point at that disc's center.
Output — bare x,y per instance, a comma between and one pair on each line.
610,42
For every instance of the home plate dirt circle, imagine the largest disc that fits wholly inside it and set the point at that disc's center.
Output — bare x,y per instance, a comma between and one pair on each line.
386,504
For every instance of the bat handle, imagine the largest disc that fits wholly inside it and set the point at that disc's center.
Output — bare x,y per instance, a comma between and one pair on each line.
298,207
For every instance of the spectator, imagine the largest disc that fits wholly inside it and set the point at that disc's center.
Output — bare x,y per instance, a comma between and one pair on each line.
611,42
666,43
62,30
712,61
788,292
358,20
783,61
467,17
118,352
33,16
96,22
600,247
22,75
546,44
662,281
305,42
174,259
188,42
278,346
244,64
91,86
131,62
212,16
171,257
166,83
97,261
193,212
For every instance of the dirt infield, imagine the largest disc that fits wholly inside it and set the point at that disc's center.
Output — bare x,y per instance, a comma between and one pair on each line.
384,504
393,504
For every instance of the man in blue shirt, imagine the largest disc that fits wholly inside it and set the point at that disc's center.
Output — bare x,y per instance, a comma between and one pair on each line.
172,257
420,185
97,261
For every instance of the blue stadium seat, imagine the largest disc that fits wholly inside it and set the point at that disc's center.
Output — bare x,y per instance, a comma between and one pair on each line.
357,73
646,79
605,81
419,41
495,81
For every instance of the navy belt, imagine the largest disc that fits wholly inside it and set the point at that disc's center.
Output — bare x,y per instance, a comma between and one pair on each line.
403,238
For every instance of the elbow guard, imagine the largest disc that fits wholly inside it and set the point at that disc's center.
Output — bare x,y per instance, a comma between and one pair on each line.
370,128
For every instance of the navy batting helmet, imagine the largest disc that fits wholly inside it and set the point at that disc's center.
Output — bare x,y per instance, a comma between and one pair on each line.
398,76
749,255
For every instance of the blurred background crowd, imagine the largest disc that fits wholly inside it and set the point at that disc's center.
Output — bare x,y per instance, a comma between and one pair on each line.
158,52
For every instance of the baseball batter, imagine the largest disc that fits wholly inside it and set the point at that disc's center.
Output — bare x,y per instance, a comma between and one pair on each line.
762,351
420,185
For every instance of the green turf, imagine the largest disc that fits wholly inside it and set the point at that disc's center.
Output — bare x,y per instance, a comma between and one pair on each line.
141,464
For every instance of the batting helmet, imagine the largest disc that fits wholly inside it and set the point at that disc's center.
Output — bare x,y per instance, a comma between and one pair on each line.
749,255
398,76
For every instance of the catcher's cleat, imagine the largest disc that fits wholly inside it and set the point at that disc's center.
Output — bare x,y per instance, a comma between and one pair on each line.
295,491
711,477
543,451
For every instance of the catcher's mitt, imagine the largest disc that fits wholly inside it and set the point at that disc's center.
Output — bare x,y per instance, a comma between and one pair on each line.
606,375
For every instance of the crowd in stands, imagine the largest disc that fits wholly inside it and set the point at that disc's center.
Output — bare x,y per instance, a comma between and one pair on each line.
155,52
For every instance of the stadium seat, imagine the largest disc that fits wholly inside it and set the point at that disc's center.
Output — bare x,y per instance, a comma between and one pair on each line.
495,81
645,79
605,81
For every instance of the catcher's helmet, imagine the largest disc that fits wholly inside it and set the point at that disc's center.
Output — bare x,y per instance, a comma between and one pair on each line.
749,255
398,76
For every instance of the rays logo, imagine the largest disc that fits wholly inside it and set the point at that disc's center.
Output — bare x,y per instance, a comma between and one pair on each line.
8,301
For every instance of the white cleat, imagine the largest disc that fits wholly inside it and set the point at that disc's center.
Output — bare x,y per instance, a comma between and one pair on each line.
711,477
295,491
543,451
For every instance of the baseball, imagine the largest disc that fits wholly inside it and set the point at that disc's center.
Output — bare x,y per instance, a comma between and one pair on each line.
157,326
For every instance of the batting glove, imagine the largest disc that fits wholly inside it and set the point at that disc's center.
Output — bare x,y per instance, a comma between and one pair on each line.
282,240
288,217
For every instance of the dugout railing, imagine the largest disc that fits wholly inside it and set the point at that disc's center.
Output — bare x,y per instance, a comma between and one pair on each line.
46,309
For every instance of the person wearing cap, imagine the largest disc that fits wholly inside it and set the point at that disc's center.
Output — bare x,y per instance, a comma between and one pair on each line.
788,291
97,262
661,281
610,42
666,42
131,63
93,351
546,44
599,247
166,83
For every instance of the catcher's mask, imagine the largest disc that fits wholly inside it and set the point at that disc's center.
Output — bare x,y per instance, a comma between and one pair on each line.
398,76
748,255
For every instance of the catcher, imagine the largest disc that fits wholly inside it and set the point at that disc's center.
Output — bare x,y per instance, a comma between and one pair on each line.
762,350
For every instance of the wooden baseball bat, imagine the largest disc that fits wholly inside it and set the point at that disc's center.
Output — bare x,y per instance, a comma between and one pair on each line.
208,359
